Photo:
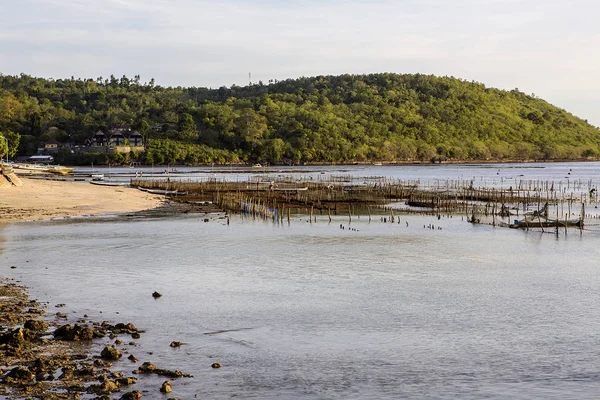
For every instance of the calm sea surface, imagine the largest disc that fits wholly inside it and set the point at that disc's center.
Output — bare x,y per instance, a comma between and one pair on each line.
312,311
497,175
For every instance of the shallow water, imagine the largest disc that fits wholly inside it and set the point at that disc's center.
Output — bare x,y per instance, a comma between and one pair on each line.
482,175
317,312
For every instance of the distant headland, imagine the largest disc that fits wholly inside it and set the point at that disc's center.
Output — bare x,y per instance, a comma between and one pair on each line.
325,119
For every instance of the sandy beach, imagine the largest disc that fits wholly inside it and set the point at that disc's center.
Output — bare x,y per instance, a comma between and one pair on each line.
41,199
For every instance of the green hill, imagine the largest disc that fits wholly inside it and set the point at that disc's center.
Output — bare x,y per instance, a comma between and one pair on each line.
347,118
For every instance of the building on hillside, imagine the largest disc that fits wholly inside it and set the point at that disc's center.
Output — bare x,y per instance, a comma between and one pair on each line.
120,139
41,159
99,139
122,129
136,139
51,146
116,138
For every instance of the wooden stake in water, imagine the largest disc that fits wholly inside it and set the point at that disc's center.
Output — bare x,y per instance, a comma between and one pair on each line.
557,215
582,218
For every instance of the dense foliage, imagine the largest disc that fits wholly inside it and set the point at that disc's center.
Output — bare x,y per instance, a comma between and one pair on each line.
348,118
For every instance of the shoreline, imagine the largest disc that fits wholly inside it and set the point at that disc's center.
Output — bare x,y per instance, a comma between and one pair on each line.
327,164
42,355
374,162
39,200
444,162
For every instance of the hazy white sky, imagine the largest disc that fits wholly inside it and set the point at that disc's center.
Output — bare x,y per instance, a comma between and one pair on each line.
547,47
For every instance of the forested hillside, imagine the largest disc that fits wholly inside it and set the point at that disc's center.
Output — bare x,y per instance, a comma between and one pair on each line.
343,119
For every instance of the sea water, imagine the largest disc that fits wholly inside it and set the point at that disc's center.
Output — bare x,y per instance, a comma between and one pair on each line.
427,175
424,308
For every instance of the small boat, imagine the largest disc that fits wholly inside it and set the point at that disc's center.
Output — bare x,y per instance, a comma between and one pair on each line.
546,223
60,170
257,166
97,177
290,189
31,167
104,183
164,192
53,169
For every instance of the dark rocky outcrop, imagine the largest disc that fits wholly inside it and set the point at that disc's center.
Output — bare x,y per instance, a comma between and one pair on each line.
135,395
106,387
110,353
35,325
16,342
76,332
149,368
59,366
166,387
19,375
126,381
146,368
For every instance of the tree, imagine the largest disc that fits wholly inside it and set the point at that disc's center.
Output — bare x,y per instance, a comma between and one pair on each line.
187,127
342,118
13,142
117,158
3,147
274,150
12,139
425,152
11,109
251,128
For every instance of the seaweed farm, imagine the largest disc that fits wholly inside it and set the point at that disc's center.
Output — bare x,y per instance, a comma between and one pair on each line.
340,283
529,204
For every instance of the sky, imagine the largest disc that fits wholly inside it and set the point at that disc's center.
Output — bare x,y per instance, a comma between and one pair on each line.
549,48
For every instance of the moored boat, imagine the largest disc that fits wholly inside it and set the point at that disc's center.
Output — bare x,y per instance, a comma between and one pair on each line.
30,167
546,223
104,183
59,170
164,192
35,168
290,189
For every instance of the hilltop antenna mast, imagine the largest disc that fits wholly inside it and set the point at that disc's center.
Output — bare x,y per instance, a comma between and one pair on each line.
249,78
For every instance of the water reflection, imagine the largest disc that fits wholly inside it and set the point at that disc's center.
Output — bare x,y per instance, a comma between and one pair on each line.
2,238
313,311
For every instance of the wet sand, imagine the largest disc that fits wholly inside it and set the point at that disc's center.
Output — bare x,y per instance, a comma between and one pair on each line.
41,199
